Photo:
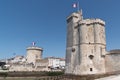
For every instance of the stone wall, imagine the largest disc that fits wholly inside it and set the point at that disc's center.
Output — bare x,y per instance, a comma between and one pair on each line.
112,62
21,67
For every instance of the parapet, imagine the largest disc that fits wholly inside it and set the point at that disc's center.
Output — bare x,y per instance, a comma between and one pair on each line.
35,48
73,15
114,51
92,21
77,15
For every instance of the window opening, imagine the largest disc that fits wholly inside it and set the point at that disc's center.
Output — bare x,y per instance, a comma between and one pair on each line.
73,49
91,56
91,69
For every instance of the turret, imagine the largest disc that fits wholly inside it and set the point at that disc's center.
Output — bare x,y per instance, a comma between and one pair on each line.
33,53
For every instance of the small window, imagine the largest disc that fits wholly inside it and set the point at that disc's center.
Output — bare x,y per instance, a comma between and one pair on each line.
91,56
91,69
73,49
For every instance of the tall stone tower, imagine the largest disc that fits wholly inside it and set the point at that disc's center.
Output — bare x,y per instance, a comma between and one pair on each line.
86,45
34,53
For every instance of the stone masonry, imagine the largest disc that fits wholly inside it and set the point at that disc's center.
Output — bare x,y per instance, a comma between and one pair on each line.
86,45
34,53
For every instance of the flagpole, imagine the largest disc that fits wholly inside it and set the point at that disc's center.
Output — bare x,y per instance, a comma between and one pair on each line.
79,10
78,7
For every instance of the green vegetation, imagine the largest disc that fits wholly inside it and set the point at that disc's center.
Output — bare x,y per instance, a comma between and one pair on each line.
27,74
49,76
54,73
19,79
3,74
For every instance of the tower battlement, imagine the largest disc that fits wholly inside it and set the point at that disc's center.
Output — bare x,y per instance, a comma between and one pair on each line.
91,21
34,48
73,15
77,15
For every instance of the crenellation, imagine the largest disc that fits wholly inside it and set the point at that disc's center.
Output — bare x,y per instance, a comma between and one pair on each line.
35,48
92,21
73,15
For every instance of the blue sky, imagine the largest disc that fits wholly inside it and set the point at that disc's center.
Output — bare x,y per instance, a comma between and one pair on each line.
44,22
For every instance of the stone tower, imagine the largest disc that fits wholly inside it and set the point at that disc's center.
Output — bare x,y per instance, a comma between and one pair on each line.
34,53
86,45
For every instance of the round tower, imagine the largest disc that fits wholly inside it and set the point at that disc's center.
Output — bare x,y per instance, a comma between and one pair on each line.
34,53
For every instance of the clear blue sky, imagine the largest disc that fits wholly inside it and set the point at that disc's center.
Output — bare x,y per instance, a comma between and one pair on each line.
44,21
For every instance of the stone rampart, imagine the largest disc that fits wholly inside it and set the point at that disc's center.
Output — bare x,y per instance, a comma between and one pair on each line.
112,62
92,21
